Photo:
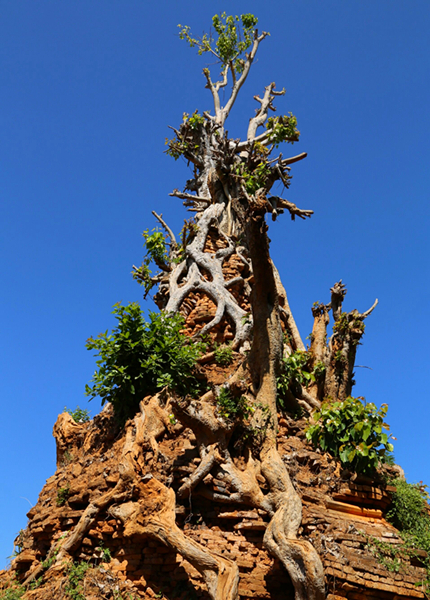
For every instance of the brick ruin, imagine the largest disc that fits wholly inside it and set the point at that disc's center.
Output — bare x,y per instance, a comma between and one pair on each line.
343,514
340,516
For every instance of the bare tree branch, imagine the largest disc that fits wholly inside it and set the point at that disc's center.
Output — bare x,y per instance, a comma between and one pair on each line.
224,81
262,138
371,309
185,196
293,159
215,95
167,228
292,208
262,112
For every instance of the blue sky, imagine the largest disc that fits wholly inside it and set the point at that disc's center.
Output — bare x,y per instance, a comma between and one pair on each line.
87,92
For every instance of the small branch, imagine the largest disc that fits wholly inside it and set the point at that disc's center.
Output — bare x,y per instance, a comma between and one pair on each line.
167,228
198,475
233,72
263,137
292,208
262,112
233,281
313,402
282,177
371,309
185,196
285,308
224,81
214,92
293,159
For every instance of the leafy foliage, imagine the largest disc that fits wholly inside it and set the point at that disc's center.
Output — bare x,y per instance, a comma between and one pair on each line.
349,323
62,495
50,559
257,178
156,252
155,244
76,573
283,128
15,592
234,35
409,513
223,355
388,555
296,372
140,357
232,408
352,431
104,553
79,415
187,140
195,121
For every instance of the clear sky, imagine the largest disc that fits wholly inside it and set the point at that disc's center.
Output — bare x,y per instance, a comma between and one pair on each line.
88,89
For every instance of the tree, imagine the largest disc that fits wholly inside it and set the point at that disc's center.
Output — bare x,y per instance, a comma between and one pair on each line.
223,258
230,192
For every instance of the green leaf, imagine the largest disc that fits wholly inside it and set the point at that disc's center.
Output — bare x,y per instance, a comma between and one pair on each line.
351,455
140,357
351,430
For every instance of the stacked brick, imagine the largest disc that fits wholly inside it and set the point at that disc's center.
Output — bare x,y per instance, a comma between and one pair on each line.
341,517
344,519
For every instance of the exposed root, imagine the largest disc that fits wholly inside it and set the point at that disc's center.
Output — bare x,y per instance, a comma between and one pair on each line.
199,474
154,515
147,507
217,288
298,556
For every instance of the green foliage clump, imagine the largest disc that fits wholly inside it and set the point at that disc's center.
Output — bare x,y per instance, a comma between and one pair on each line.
155,244
409,514
138,358
295,373
254,179
283,128
389,555
231,408
62,495
223,355
75,576
352,431
186,140
156,251
105,553
234,36
15,592
79,415
195,121
349,323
